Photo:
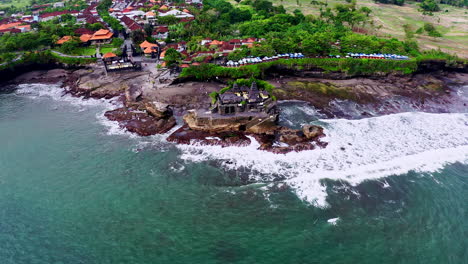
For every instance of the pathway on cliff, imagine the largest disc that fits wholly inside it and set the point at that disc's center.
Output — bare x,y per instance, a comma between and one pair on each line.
19,57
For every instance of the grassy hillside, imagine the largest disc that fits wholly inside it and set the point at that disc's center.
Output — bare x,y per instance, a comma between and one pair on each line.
389,19
15,3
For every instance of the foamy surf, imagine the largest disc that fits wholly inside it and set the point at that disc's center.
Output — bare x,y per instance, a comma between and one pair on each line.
56,93
358,150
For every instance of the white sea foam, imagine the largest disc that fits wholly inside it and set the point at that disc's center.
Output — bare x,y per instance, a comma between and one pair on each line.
358,150
56,93
333,221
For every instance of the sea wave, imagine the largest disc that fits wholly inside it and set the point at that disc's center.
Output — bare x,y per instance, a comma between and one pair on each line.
56,93
358,150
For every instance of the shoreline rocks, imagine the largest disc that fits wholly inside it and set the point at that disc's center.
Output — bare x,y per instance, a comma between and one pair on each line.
144,116
187,136
272,138
140,122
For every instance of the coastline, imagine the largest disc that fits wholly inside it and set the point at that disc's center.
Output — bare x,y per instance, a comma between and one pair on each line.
143,92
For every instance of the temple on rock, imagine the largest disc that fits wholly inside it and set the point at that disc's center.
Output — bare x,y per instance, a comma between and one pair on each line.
243,100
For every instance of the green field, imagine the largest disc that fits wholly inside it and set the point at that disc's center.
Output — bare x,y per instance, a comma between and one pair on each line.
389,19
105,50
15,3
86,51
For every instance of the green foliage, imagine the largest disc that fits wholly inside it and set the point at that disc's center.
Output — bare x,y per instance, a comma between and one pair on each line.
214,97
172,57
94,27
238,54
137,36
25,41
261,84
352,67
103,10
347,15
71,61
437,55
225,89
69,47
168,20
429,6
431,30
409,34
117,42
394,2
46,57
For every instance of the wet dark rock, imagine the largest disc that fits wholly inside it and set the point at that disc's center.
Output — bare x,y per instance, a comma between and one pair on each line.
311,131
140,122
185,135
281,140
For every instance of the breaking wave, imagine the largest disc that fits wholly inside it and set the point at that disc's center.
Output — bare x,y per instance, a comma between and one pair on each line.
358,150
53,91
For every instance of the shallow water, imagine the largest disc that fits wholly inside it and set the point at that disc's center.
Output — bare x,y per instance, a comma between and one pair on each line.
74,188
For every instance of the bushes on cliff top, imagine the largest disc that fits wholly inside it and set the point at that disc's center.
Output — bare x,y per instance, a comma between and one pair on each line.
72,61
349,66
46,57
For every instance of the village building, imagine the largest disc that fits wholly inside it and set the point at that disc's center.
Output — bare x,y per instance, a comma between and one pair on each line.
130,24
50,16
150,17
102,36
176,13
85,39
160,32
114,63
58,4
9,31
109,57
149,49
10,26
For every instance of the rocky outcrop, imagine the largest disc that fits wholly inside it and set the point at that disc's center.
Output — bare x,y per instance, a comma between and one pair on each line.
312,132
97,84
50,76
140,122
185,135
286,140
214,129
157,109
248,122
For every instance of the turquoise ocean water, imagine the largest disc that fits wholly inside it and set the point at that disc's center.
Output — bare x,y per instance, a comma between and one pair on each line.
76,189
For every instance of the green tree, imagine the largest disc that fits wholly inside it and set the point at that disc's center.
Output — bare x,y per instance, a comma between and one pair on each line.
137,36
172,57
168,20
409,34
431,30
70,46
429,6
94,27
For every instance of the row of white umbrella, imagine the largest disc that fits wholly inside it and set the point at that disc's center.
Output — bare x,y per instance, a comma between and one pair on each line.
252,60
378,55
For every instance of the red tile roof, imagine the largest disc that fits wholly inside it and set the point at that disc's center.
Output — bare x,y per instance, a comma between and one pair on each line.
55,14
81,31
102,34
85,37
64,39
109,55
